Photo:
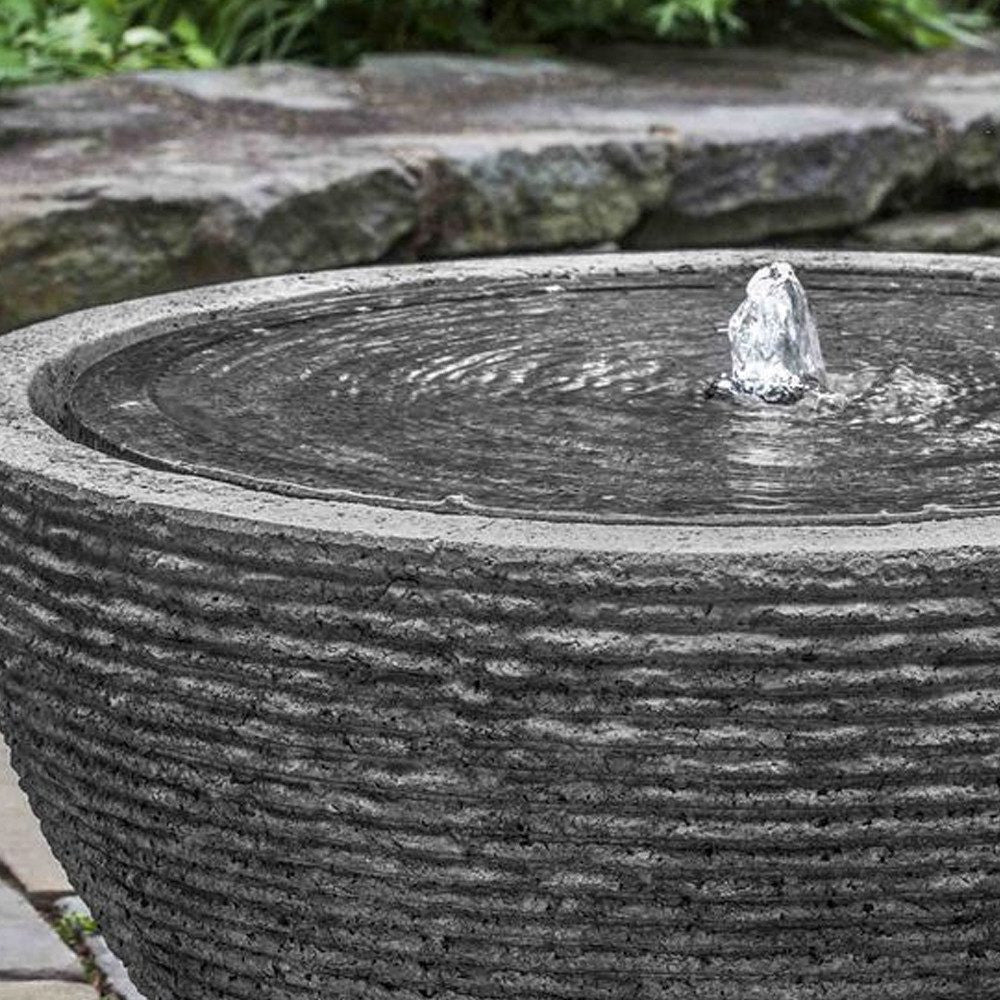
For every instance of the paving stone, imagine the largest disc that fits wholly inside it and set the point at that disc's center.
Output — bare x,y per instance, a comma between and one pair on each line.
435,69
23,850
288,87
98,109
29,947
46,989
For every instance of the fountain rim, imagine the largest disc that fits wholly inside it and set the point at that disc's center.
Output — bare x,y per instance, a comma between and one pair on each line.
38,363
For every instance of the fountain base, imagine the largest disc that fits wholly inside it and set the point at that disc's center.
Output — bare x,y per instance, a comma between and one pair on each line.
290,743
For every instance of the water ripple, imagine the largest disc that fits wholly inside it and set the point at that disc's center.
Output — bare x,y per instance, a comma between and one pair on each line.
574,401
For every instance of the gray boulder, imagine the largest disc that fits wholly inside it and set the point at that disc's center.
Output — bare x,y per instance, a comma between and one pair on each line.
496,194
964,231
746,174
185,213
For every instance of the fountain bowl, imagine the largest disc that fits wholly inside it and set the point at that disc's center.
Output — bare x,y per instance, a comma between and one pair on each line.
292,739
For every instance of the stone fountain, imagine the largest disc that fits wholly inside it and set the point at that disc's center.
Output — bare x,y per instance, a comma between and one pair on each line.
433,632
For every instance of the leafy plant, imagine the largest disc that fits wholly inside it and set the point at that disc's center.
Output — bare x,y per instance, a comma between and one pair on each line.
921,24
72,927
54,39
713,19
324,31
909,23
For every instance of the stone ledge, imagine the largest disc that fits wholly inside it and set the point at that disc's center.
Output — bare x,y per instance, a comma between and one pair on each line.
136,184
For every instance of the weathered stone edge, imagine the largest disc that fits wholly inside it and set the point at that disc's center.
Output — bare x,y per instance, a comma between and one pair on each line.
433,197
55,351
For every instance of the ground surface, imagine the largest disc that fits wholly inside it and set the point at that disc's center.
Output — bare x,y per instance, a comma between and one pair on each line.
127,186
34,963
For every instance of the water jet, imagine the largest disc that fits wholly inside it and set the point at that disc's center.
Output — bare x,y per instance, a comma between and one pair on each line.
776,354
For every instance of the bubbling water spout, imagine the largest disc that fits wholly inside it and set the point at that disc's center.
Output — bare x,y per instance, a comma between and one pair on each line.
775,347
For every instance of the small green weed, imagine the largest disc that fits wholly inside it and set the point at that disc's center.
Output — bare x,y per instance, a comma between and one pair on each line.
73,927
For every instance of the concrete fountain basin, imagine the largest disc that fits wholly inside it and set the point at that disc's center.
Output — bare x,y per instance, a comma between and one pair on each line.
530,722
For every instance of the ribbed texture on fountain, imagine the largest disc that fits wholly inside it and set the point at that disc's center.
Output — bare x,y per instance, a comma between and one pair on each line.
278,766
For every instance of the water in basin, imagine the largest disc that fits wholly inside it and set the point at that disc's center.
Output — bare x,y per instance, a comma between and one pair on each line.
582,399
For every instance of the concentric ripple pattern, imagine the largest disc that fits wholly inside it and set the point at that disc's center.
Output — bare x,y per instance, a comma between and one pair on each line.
572,401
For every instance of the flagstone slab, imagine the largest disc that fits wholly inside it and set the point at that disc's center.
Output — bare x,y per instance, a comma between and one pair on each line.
46,989
23,849
29,947
155,181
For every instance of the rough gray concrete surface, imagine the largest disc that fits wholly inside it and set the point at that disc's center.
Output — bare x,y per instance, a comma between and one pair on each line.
291,748
139,184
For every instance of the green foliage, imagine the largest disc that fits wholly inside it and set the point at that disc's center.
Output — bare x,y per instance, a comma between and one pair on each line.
53,39
713,20
73,927
325,31
44,40
920,24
